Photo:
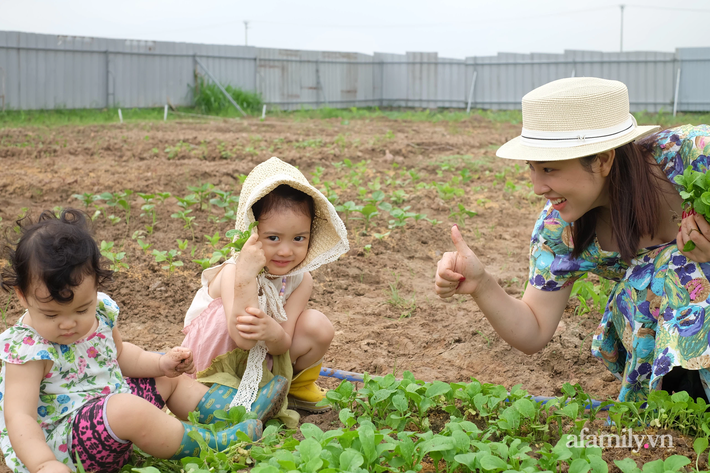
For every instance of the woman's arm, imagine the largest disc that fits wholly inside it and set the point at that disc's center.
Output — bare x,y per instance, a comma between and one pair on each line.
526,324
138,363
22,384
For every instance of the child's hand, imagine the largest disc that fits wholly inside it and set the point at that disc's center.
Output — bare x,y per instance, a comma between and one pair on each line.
176,362
251,259
53,466
257,325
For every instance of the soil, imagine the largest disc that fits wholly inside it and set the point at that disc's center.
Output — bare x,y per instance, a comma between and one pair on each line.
376,331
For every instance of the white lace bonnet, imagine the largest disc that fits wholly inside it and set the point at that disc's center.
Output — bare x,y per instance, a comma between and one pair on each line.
328,241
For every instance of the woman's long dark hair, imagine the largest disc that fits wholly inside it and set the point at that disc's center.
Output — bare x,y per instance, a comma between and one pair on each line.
634,197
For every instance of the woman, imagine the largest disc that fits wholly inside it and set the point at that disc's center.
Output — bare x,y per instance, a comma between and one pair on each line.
613,210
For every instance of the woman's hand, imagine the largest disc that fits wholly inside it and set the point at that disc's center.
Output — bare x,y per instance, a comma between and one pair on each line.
176,362
257,325
251,259
53,466
696,229
458,272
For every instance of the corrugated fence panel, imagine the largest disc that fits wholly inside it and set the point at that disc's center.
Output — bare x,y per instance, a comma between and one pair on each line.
694,93
51,71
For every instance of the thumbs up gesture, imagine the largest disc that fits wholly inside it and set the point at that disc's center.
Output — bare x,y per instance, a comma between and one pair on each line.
460,271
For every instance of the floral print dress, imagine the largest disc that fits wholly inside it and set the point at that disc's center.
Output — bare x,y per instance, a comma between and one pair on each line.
81,371
655,316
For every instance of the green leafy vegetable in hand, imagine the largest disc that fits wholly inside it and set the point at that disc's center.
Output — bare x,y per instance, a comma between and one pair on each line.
696,196
241,237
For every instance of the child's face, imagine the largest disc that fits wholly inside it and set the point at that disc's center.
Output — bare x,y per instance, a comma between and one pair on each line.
285,235
61,323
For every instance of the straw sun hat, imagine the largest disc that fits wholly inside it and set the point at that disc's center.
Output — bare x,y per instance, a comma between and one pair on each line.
329,238
572,118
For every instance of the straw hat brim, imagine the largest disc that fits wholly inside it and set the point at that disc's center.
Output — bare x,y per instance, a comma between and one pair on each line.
515,149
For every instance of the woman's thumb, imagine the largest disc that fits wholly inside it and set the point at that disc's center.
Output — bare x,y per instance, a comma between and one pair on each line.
458,240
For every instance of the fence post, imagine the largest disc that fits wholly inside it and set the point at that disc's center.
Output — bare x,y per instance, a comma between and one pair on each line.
470,93
677,88
107,80
197,79
382,83
256,74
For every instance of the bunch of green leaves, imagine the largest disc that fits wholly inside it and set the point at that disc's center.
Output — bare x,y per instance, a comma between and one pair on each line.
695,194
239,237
171,257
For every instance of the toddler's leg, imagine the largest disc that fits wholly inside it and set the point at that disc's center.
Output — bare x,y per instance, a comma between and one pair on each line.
311,339
131,418
184,395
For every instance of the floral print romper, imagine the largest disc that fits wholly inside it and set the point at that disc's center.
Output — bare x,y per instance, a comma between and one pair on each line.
81,372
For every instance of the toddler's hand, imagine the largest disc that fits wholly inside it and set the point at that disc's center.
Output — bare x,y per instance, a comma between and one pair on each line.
251,259
53,466
257,325
176,362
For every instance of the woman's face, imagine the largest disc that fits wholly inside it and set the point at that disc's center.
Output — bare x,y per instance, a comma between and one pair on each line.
572,189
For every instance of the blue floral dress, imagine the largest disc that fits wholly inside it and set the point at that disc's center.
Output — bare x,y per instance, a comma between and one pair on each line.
80,372
655,316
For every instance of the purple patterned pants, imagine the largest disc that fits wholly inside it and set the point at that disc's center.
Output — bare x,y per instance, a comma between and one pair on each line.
93,441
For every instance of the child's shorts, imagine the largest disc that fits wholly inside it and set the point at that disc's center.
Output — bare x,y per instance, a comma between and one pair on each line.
93,440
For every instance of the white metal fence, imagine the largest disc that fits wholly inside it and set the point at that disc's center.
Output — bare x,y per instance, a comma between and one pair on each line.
48,71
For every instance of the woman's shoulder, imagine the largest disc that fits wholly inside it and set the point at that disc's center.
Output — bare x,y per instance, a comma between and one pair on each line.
676,148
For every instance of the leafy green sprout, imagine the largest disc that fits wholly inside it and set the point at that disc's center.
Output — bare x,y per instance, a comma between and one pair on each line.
116,259
368,213
189,221
213,240
202,194
460,214
87,198
144,245
169,257
182,244
347,208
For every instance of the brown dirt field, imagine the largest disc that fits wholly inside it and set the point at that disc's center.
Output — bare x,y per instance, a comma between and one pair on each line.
446,340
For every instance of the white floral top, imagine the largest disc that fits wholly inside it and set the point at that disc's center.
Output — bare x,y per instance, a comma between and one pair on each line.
82,371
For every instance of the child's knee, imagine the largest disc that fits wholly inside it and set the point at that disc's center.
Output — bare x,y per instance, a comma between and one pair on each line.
320,327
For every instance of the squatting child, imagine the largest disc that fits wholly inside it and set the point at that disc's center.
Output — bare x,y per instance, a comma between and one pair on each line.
70,387
249,320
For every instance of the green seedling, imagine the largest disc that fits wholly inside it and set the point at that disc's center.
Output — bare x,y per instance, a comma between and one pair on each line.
182,244
189,222
202,194
239,237
214,239
205,263
169,256
187,201
399,196
113,219
368,213
87,198
347,208
461,214
144,245
116,259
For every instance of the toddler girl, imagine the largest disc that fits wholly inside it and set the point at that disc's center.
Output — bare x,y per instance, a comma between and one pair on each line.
62,388
255,302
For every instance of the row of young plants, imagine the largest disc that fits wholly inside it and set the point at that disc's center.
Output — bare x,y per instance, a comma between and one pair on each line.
386,425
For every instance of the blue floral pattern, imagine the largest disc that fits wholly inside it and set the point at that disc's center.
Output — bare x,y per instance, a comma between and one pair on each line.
655,316
82,371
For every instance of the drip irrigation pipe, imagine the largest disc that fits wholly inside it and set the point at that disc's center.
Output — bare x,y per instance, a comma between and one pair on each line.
359,378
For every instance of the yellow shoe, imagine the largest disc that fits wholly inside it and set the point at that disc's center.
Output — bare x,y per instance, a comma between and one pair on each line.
305,393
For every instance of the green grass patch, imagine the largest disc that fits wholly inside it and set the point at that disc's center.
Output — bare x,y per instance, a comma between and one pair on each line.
211,102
